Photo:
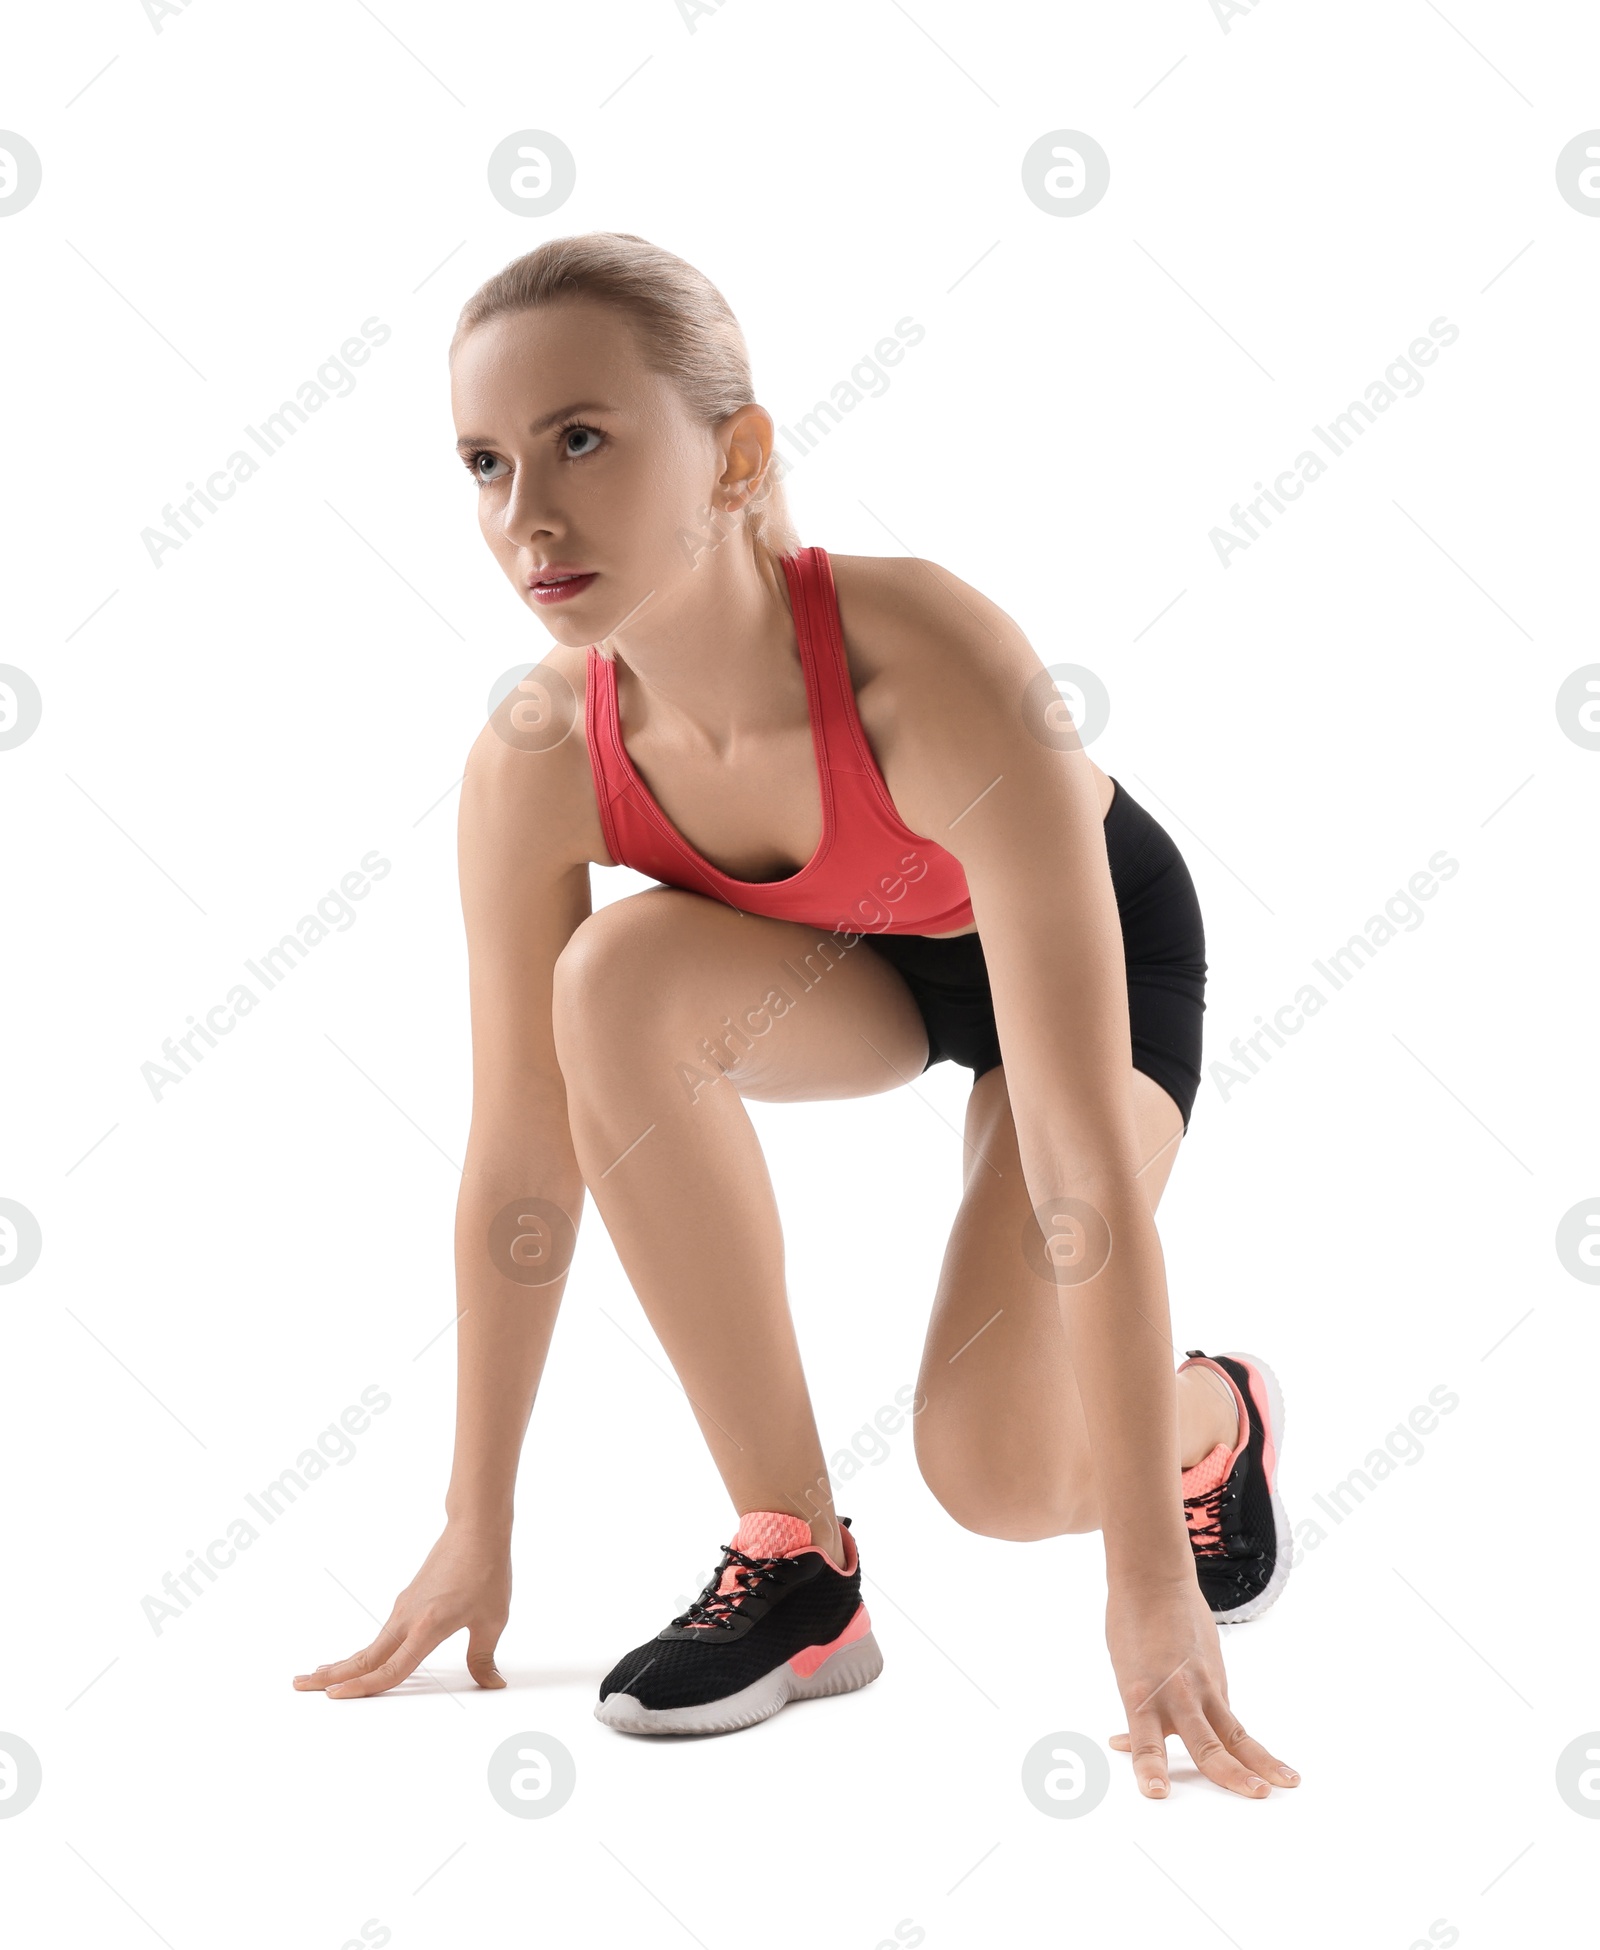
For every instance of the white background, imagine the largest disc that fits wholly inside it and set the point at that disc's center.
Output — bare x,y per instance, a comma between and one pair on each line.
1292,200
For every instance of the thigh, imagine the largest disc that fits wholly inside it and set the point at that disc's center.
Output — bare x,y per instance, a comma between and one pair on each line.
783,1011
1001,1438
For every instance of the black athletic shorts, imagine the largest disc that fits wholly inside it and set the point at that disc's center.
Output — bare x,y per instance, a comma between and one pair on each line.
1164,948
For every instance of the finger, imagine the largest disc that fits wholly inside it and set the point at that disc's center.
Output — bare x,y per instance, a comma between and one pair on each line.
1250,1751
359,1662
342,1669
399,1665
480,1657
1147,1743
1207,1751
323,1676
1122,1743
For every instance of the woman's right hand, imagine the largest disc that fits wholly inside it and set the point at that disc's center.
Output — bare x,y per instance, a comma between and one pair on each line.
464,1581
1167,1656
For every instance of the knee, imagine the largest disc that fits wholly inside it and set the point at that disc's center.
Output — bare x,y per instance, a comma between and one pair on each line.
996,1492
612,975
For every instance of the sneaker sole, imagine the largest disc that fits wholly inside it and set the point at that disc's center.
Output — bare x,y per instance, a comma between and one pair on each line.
853,1665
1272,1414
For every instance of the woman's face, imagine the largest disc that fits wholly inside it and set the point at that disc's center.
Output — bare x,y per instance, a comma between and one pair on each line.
586,462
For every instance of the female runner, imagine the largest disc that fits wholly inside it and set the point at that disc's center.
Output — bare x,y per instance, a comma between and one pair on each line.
881,845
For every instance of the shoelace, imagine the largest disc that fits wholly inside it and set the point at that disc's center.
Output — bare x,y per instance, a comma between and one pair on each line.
718,1608
1203,1515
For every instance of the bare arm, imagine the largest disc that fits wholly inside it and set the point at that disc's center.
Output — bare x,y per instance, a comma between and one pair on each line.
1027,829
1020,810
522,895
524,890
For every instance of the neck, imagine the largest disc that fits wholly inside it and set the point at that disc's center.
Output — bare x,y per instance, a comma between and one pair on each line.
716,650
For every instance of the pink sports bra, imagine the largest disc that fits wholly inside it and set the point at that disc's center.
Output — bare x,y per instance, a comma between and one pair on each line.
870,873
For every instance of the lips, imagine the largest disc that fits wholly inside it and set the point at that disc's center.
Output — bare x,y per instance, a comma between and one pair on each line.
559,585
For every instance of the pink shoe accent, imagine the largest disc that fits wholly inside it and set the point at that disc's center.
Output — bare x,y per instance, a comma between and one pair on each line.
766,1533
1258,1390
1213,1468
773,1533
806,1662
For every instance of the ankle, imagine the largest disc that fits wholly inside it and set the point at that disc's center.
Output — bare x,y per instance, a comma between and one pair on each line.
1207,1414
826,1532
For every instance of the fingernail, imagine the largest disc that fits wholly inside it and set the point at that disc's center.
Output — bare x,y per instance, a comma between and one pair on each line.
1290,1775
1156,1787
1255,1781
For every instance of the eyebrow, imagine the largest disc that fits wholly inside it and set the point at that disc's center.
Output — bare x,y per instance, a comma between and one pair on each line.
542,424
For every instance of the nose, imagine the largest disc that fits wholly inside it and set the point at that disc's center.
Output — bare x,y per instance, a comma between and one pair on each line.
529,510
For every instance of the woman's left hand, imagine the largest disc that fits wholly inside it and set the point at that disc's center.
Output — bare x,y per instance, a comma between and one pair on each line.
1168,1662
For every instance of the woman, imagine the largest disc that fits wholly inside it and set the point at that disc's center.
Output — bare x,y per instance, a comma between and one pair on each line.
881,845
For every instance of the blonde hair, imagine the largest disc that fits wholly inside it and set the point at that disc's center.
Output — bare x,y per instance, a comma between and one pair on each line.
685,330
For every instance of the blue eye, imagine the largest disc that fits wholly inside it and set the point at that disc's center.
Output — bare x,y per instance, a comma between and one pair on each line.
471,463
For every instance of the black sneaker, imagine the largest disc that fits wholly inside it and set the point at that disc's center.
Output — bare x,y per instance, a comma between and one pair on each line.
779,1620
1238,1528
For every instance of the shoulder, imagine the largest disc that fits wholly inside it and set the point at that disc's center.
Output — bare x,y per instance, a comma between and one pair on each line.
923,642
902,610
947,683
528,781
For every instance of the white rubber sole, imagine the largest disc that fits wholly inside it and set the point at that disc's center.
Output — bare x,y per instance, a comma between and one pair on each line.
1269,1595
853,1665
